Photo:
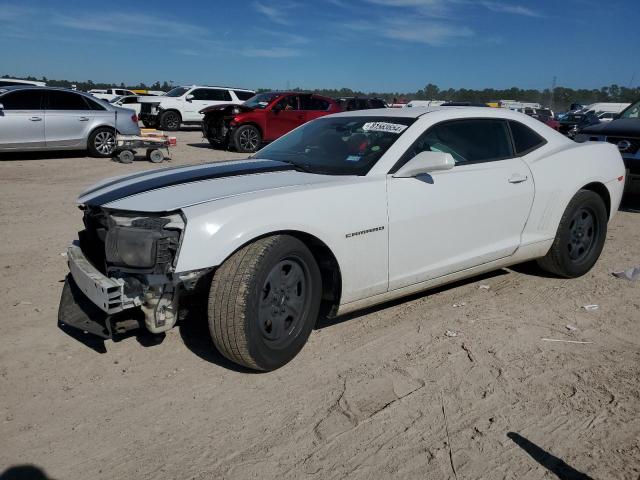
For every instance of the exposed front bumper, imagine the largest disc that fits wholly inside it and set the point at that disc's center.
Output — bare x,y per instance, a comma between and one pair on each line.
106,293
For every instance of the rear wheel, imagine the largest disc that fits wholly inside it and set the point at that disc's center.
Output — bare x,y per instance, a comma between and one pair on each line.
102,142
247,139
264,301
170,120
580,237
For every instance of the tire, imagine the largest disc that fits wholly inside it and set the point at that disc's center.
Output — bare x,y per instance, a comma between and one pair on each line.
102,142
253,301
247,139
170,120
580,237
155,156
126,156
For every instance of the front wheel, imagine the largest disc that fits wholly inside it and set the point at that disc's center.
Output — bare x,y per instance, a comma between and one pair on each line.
247,139
170,121
264,301
580,237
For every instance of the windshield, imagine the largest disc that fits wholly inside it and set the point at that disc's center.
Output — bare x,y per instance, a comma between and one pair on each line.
176,92
338,145
261,100
632,111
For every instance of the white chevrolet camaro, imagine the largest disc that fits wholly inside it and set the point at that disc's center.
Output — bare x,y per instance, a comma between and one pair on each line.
344,212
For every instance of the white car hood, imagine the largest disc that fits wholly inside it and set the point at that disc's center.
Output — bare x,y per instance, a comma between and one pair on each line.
179,187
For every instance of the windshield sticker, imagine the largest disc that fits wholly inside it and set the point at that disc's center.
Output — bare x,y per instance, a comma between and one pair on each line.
384,127
353,158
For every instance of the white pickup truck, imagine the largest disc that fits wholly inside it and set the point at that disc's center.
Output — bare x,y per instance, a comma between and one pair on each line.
183,104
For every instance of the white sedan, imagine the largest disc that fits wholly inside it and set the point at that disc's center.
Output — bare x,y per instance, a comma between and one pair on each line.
344,212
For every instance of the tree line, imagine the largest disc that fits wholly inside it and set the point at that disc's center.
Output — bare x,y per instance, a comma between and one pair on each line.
559,98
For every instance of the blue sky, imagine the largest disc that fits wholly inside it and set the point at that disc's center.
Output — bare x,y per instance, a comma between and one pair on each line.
372,45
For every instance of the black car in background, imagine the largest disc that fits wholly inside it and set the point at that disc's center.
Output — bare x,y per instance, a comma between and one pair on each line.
624,132
360,103
572,123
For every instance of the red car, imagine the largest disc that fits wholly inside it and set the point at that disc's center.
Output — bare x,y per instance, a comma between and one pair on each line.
262,118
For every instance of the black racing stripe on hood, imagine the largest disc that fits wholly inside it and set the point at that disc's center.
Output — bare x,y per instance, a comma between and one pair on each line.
179,177
147,173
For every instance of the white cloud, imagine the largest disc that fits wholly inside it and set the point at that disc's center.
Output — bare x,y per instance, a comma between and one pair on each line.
510,8
13,12
430,33
270,52
125,24
274,14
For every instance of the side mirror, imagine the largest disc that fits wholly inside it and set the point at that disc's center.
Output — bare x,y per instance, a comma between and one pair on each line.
425,162
277,107
189,97
1,106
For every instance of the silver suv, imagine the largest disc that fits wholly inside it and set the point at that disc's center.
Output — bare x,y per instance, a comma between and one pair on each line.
46,118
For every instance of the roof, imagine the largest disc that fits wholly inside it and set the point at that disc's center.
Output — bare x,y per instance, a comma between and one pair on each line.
29,87
213,86
416,112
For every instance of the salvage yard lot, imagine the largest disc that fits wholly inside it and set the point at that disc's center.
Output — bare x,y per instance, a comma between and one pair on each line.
455,382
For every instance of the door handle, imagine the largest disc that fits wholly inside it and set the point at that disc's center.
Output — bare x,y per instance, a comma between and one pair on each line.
36,119
300,117
518,178
84,119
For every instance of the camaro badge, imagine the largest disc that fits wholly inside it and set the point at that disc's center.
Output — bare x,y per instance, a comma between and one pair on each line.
362,232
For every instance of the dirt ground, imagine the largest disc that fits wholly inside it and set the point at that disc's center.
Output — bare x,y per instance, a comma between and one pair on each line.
383,393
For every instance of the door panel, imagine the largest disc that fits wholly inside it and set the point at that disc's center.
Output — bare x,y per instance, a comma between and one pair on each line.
22,120
456,219
284,117
68,120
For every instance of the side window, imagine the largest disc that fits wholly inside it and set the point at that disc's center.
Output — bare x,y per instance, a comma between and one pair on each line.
199,94
289,103
525,140
468,141
22,100
243,95
59,100
93,105
313,103
220,95
211,94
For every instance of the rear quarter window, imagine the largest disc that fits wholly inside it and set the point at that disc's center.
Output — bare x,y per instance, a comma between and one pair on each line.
525,140
243,95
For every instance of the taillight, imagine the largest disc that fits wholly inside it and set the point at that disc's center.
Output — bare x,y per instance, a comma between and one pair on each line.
134,118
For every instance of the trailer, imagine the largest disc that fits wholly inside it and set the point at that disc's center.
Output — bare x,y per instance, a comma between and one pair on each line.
154,143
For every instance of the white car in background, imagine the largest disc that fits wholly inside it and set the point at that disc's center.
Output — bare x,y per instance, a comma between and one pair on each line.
128,101
344,212
110,93
8,82
182,105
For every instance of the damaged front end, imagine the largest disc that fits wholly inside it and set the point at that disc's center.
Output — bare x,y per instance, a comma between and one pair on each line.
124,265
219,121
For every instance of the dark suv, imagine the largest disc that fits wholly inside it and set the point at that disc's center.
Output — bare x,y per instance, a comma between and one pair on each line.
624,132
360,103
